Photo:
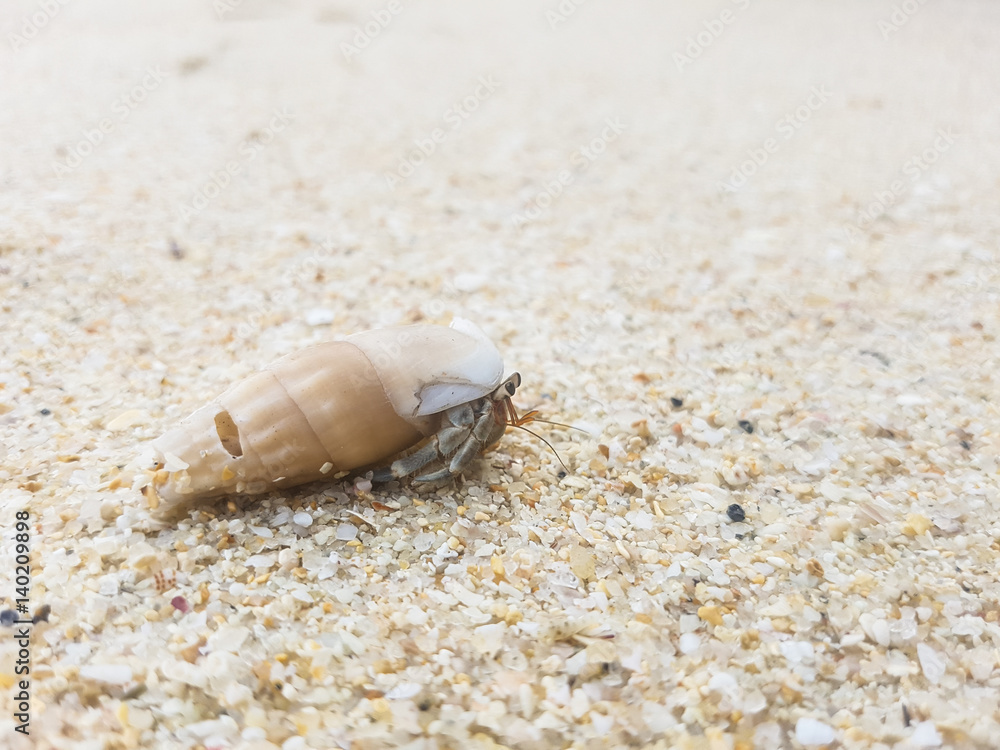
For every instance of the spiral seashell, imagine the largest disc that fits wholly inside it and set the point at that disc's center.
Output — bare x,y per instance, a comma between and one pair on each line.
339,406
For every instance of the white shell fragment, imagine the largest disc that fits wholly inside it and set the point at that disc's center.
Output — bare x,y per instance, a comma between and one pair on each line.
111,674
932,664
813,733
332,407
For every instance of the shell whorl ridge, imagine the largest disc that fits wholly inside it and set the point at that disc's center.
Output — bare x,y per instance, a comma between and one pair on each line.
330,407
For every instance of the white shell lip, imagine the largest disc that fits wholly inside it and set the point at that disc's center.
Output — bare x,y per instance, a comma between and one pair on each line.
426,369
442,396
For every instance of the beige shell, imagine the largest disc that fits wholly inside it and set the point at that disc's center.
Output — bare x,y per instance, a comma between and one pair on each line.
331,407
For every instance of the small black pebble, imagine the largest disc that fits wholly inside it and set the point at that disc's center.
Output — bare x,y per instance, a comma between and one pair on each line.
747,427
41,614
965,444
45,412
735,512
7,617
561,475
906,716
677,402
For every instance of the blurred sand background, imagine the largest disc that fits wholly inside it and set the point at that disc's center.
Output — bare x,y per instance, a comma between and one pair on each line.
775,212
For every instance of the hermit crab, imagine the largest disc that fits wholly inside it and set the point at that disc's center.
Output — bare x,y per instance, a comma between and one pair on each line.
344,405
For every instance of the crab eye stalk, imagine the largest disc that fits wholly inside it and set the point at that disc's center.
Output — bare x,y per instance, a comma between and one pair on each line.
507,388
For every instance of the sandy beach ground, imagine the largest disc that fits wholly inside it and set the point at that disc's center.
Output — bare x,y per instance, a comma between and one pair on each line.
749,247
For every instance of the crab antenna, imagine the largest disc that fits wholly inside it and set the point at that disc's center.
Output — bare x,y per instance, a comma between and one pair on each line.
554,451
557,424
532,416
513,420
